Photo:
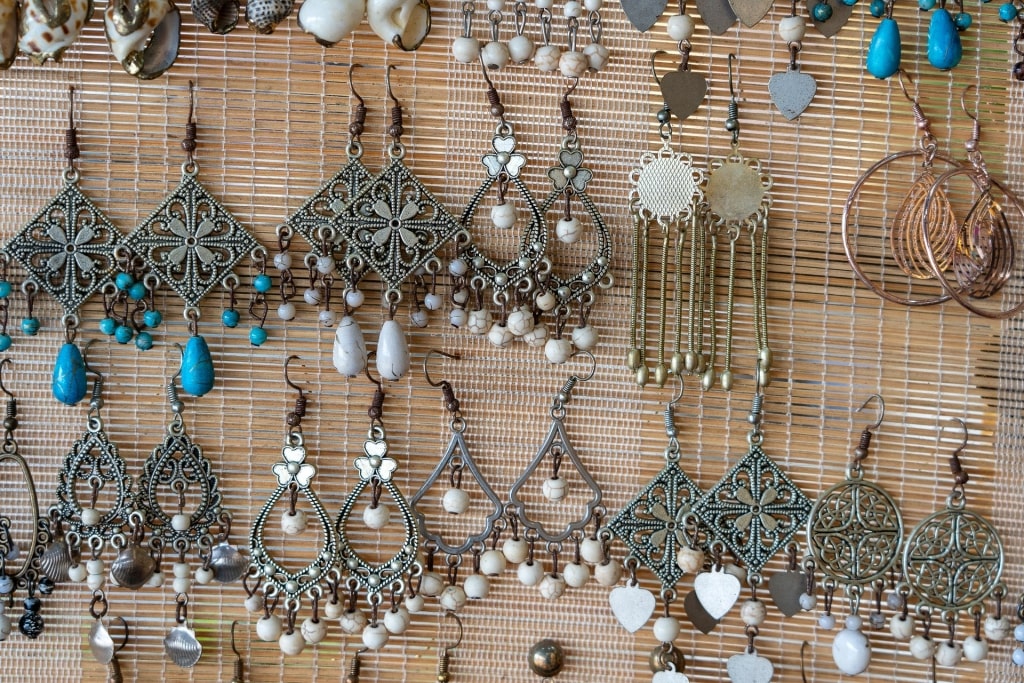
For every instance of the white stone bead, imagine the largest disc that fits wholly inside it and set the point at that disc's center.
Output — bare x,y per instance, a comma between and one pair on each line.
95,581
458,317
1018,656
584,337
573,65
520,49
557,351
466,49
593,5
333,608
515,550
504,215
460,296
997,629
569,230
520,321
690,560
554,488
419,317
479,321
156,580
592,550
431,584
536,337
546,58
922,648
500,336
182,584
477,586
313,632
827,622
330,22
455,501
453,598
375,637
254,603
666,629
608,573
495,55
572,8
851,650
576,575
392,352
312,296
91,516
349,351
414,603
96,566
181,570
293,525
808,601
597,55
354,298
286,311
77,573
396,620
352,621
552,587
530,573
543,4
753,612
792,29
492,562
1018,633
325,264
495,5
268,629
282,260
680,27
376,517
901,628
204,576
975,649
432,301
328,318
546,301
458,267
181,522
948,654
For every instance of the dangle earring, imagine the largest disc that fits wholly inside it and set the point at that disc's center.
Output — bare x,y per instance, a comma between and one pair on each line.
1009,11
683,90
131,294
258,308
944,47
455,500
792,91
294,477
191,243
738,200
885,49
861,513
102,645
67,250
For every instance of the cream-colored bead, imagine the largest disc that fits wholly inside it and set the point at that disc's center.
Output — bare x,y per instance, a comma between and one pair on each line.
204,576
690,560
546,58
504,215
492,562
268,629
521,49
608,573
333,609
415,603
396,620
546,301
552,586
792,29
77,573
592,550
500,335
569,230
975,649
576,575
352,621
520,321
91,517
95,581
182,584
431,584
376,517
573,64
530,573
680,27
453,598
479,321
181,522
554,488
495,55
584,337
997,629
666,629
375,637
455,501
477,586
181,570
948,654
537,337
572,9
293,524
922,648
557,350
597,55
313,632
753,612
515,550
901,628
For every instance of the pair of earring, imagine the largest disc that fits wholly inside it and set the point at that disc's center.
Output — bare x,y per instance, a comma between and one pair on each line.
944,50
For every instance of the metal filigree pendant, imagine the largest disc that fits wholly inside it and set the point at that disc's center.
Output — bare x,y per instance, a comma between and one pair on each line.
68,247
293,473
190,241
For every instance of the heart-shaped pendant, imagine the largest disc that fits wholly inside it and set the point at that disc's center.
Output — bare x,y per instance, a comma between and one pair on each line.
792,91
697,615
841,13
643,14
632,606
683,92
785,589
750,667
670,677
750,12
717,15
717,590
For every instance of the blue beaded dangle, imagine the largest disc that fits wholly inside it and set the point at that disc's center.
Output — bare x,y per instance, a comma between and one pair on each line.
944,47
5,302
129,302
886,48
1009,11
261,284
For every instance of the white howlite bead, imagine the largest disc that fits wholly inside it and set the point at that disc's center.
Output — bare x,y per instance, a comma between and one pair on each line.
592,550
593,5
851,650
95,581
608,573
1018,656
808,601
1018,633
827,622
181,570
375,637
901,628
333,609
77,573
597,55
182,584
546,58
455,501
91,517
569,230
292,643
479,321
543,4
352,621
680,27
376,517
458,317
354,298
460,297
313,632
204,576
392,351
477,586
666,629
283,260
312,296
572,8
328,318
492,562
576,575
536,337
997,629
495,55
554,488
466,49
495,5
453,598
325,264
433,301
530,573
573,65
431,584
557,351
254,604
500,335
504,215
585,337
515,550
975,649
396,620
414,603
96,566
293,524
690,560
546,301
520,49
520,321
948,654
552,586
419,318
349,351
792,29
157,580
181,522
753,612
458,267
268,629
286,311
922,648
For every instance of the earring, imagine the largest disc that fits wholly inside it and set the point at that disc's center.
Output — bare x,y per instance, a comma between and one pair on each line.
456,501
885,49
294,477
68,250
191,243
144,36
792,91
944,47
854,535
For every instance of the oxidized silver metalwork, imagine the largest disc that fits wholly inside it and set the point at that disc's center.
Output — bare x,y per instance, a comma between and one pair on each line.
224,560
180,644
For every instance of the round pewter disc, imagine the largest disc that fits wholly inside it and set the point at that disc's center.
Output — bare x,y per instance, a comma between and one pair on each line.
665,187
735,191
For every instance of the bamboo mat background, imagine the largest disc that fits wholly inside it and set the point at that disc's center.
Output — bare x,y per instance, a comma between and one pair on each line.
272,113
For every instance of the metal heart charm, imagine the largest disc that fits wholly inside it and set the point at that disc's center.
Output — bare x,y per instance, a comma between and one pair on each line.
749,667
182,647
643,14
632,606
786,589
697,615
750,12
717,590
100,642
792,92
717,15
670,677
683,92
841,13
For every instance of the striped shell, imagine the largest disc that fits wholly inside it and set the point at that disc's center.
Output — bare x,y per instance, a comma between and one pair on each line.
44,34
218,16
264,15
144,35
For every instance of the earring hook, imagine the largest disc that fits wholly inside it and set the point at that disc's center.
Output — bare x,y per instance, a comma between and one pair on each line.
3,364
903,86
191,100
732,87
124,641
387,84
426,360
654,66
458,641
287,379
963,444
71,106
593,364
234,648
679,394
881,410
85,359
181,350
803,669
963,103
351,86
572,88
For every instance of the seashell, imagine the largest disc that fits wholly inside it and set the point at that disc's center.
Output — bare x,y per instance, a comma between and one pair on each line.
405,23
182,647
227,563
143,35
48,27
330,21
8,32
56,561
218,16
133,567
264,15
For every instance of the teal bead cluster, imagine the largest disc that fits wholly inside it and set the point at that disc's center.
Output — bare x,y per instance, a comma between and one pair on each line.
126,329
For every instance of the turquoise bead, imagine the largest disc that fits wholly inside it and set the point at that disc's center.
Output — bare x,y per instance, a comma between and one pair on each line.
196,367
69,381
124,281
144,341
137,291
822,11
257,336
5,289
152,318
262,283
963,21
877,8
108,326
1007,12
30,326
884,52
230,318
944,48
926,5
123,334
5,342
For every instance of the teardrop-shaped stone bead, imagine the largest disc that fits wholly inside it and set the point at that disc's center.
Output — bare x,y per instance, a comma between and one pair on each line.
69,382
392,351
196,367
349,353
884,51
944,47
